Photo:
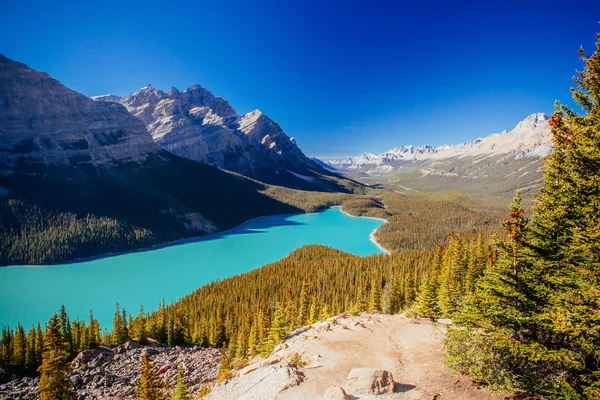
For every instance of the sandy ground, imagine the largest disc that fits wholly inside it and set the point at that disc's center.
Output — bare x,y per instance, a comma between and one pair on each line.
410,348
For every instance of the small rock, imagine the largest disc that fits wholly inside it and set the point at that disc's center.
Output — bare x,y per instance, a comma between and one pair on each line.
335,393
370,381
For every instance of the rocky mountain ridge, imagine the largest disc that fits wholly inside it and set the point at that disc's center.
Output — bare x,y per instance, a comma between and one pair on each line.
67,128
531,137
199,126
80,178
496,165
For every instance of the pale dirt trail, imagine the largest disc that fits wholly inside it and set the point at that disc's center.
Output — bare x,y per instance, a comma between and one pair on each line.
410,348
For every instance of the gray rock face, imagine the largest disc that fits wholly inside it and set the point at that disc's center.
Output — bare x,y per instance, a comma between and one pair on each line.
43,122
197,125
264,383
111,373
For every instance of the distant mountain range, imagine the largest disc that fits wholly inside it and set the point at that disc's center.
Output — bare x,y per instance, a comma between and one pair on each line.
496,164
199,126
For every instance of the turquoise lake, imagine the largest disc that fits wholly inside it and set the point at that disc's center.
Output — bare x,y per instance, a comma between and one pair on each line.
31,294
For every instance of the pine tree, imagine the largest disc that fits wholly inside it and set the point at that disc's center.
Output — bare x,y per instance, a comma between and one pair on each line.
65,327
19,347
451,277
313,315
427,301
39,344
182,392
55,383
375,296
224,365
30,355
141,334
93,334
278,330
221,336
476,265
149,386
304,305
324,313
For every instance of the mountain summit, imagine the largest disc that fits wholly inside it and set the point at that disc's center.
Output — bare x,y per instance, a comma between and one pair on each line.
197,125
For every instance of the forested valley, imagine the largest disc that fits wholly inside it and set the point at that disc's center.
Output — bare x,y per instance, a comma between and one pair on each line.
524,294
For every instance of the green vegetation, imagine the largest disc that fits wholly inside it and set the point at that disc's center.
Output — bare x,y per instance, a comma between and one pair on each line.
535,315
70,213
55,383
182,392
149,386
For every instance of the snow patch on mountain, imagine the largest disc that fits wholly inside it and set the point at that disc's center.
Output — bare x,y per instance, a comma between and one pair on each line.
531,137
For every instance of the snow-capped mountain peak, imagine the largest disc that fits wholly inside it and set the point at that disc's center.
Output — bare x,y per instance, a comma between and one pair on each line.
530,137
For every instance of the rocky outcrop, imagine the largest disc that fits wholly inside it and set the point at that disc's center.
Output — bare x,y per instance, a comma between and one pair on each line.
44,123
105,373
367,357
260,382
202,127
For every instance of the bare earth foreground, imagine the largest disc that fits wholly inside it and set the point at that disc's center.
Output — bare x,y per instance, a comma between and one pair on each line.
410,349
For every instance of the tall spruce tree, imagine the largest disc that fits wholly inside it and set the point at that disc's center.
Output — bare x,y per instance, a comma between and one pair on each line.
55,383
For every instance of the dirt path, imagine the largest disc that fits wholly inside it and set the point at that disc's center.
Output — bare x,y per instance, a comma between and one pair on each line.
410,348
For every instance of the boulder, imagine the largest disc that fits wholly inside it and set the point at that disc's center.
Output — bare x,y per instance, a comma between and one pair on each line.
264,383
370,381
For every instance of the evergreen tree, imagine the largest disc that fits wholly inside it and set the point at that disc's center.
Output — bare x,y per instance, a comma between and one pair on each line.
39,344
182,392
451,277
141,334
224,365
427,301
278,330
304,305
6,347
313,315
375,296
565,241
93,334
55,383
30,355
149,386
476,265
65,327
120,332
19,347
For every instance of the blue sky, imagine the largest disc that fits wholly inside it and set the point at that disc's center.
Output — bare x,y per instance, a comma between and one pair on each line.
342,77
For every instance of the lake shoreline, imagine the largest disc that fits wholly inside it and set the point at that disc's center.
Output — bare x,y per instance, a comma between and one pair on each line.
193,239
372,237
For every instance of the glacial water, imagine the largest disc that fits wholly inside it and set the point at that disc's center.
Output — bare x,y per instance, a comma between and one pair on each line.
30,294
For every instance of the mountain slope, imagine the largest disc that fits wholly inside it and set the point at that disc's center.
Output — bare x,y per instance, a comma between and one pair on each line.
81,178
197,125
496,164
